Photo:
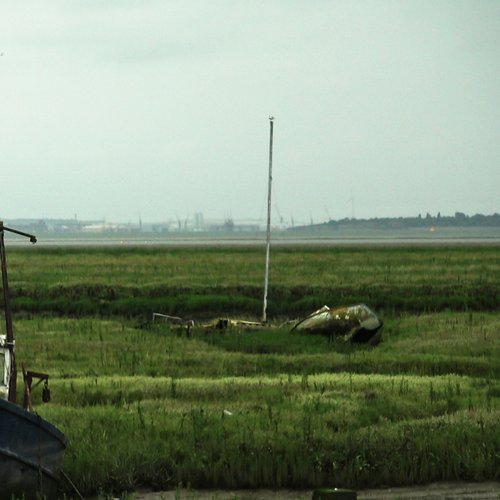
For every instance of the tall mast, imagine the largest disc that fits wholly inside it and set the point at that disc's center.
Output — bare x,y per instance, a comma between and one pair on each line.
268,231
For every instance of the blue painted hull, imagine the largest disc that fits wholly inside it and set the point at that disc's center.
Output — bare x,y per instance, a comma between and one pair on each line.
31,453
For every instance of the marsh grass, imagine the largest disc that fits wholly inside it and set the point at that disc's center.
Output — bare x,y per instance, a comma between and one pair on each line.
134,282
150,406
422,345
239,267
358,431
144,404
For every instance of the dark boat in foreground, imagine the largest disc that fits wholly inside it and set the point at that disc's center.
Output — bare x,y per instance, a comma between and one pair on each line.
31,452
31,449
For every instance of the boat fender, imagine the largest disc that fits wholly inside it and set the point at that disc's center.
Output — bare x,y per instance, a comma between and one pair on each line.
46,393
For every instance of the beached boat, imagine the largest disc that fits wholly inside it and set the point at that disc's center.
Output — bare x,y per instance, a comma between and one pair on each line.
31,449
356,323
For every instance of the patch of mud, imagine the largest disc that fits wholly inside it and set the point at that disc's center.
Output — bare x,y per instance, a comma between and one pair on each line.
434,491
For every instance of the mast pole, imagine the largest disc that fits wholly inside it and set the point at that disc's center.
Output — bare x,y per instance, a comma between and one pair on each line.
7,309
268,231
8,318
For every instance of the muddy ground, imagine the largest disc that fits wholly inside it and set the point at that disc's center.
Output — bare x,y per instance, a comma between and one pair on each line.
434,491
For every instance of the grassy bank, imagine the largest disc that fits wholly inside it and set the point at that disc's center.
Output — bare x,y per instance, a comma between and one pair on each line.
144,404
203,282
149,406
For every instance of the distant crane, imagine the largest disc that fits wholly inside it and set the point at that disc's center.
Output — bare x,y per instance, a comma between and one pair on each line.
280,217
327,213
351,201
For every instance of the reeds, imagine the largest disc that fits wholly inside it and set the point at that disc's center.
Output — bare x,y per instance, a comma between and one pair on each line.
149,407
143,404
134,282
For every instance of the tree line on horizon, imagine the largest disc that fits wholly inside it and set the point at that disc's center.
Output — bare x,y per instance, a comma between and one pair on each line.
460,219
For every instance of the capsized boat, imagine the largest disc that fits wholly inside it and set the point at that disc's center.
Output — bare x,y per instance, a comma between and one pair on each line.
356,323
31,449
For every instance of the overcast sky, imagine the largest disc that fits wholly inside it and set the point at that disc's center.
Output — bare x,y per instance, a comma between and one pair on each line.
158,109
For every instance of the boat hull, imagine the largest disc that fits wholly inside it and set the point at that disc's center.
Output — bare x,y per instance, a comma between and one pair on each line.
356,323
31,453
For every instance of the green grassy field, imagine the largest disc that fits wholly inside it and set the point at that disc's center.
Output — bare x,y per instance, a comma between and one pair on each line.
134,282
143,404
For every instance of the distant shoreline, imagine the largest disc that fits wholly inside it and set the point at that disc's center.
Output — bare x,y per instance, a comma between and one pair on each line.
340,236
241,242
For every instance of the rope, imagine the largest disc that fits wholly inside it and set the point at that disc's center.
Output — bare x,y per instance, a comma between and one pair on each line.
75,489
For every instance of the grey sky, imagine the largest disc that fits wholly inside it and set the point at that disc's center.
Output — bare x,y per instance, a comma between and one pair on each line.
160,108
